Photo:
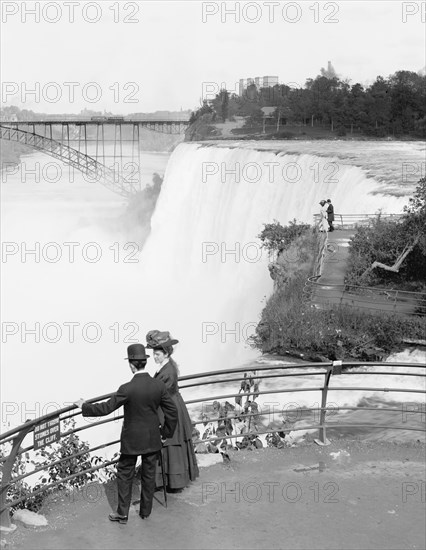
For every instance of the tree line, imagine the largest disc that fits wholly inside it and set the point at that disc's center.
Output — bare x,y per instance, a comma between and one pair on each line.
389,106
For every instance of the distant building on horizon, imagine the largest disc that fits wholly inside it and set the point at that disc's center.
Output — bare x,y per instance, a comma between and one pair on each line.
258,81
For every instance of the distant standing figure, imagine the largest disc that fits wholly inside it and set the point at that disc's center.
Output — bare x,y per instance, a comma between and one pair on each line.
179,460
323,225
330,214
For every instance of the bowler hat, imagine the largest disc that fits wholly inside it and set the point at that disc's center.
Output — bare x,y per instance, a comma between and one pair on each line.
136,352
158,339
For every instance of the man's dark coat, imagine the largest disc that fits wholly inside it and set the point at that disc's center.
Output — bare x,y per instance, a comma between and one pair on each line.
140,398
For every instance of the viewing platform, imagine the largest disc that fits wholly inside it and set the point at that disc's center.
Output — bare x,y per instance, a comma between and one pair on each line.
350,495
328,283
342,477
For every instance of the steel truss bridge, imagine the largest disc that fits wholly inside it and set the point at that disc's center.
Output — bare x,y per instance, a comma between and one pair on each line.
93,146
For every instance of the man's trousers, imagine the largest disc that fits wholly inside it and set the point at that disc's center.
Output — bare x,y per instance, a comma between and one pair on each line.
125,474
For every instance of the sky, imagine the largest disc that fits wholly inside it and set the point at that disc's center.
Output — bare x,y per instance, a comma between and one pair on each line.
127,57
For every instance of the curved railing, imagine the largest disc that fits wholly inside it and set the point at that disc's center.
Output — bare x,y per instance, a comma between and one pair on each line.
400,302
17,437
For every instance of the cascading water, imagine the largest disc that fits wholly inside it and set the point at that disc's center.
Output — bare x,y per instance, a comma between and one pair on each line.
211,277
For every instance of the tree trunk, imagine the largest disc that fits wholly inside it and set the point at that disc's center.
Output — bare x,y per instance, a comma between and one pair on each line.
395,267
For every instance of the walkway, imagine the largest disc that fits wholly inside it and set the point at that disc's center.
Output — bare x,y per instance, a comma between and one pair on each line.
350,495
330,288
336,257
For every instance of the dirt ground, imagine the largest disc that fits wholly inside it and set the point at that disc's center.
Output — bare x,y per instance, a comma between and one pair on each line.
348,495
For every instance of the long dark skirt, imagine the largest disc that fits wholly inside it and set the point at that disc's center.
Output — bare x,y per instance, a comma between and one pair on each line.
179,460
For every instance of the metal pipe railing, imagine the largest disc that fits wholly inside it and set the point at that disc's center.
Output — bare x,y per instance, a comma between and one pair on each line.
403,302
350,221
16,436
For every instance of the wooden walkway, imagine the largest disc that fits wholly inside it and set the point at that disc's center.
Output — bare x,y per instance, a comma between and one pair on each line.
330,287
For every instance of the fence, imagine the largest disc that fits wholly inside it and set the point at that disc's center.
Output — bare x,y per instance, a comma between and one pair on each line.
210,380
401,302
350,221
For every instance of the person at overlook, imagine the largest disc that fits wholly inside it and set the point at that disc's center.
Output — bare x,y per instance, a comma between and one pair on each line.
141,434
330,215
323,224
179,460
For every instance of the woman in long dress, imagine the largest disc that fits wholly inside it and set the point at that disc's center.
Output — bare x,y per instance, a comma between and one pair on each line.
179,460
323,225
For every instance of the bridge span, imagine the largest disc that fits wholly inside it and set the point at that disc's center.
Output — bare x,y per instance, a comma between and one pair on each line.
93,146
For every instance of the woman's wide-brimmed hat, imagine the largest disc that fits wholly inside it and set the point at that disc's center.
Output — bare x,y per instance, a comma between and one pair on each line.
158,339
136,352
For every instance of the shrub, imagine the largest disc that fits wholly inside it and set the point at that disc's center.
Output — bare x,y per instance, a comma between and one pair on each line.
68,445
276,238
384,241
290,325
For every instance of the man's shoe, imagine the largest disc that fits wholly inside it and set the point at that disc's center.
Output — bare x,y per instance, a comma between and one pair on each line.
117,517
144,517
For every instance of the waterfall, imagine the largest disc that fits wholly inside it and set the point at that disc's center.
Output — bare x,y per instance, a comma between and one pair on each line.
206,274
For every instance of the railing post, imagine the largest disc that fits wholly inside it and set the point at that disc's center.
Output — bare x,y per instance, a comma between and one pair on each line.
322,437
7,476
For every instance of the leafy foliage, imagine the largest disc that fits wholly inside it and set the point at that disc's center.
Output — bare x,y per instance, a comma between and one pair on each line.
225,419
276,238
415,214
385,240
69,446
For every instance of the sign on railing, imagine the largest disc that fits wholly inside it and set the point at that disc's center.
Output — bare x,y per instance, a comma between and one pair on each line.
47,433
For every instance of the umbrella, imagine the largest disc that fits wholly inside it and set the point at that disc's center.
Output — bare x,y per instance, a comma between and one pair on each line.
163,475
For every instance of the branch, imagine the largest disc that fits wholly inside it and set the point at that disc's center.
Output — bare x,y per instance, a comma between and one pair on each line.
396,266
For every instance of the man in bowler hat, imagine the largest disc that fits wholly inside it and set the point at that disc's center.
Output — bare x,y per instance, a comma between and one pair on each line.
141,433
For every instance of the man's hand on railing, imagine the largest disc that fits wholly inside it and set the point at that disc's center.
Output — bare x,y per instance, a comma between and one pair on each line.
79,402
